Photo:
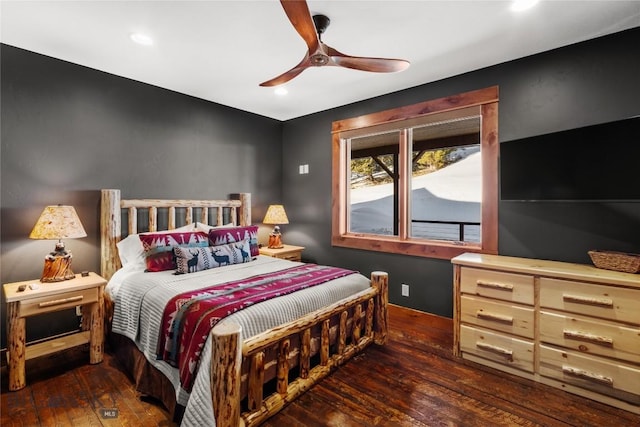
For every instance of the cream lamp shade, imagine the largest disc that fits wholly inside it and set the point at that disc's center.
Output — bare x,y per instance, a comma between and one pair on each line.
57,223
275,215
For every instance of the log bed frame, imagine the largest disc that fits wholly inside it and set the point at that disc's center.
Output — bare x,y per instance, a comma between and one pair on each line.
238,369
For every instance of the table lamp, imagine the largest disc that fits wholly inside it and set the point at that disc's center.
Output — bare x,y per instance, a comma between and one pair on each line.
275,215
58,222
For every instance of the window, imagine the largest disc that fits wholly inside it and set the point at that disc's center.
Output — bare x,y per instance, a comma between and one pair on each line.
419,180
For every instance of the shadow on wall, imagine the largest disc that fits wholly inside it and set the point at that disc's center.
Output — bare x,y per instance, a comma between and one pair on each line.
22,257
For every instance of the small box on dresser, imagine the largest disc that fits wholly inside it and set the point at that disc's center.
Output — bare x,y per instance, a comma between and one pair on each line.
571,326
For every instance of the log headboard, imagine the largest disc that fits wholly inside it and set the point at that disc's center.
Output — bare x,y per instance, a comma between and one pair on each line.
112,207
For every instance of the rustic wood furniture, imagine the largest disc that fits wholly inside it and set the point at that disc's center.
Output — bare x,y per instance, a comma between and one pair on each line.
571,326
288,252
417,360
40,298
353,323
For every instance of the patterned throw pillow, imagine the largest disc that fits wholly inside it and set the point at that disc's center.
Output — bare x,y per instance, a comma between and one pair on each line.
130,248
221,236
158,247
190,260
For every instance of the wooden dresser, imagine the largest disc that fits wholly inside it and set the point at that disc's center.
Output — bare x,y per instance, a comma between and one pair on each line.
571,326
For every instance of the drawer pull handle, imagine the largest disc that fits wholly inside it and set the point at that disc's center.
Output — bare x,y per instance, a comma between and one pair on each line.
508,354
495,285
584,336
591,376
60,301
600,302
495,317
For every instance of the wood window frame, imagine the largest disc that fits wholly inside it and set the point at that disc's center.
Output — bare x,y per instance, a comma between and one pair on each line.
487,100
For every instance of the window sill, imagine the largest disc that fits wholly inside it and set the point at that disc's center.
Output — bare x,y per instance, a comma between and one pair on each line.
426,249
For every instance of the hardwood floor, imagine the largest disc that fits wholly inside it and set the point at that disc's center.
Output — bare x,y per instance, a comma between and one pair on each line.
412,381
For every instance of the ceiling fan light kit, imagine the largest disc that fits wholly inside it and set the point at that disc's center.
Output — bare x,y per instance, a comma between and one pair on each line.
319,54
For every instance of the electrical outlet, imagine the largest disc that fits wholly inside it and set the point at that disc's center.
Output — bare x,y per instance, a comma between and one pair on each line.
405,290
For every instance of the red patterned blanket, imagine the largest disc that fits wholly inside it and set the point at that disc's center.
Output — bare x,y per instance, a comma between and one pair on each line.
189,317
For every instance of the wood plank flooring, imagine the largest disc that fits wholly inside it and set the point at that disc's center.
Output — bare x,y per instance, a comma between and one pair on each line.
412,381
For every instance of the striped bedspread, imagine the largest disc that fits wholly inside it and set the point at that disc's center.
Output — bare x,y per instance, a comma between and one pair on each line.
189,317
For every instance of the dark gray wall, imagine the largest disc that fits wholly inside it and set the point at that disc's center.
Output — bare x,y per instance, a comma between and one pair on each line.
68,131
587,83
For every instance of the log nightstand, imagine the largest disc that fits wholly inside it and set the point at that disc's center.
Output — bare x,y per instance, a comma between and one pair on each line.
288,252
86,292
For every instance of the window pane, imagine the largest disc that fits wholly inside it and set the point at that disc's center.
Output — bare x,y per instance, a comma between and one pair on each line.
373,184
446,181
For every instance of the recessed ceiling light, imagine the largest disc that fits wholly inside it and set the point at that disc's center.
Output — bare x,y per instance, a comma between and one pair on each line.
281,91
520,5
142,39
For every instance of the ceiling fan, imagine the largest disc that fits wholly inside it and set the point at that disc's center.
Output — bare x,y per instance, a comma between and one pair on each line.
319,54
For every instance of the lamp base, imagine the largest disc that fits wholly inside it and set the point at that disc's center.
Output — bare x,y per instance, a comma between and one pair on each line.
275,241
57,266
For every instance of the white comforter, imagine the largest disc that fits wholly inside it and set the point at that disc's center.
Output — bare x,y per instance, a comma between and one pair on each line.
140,299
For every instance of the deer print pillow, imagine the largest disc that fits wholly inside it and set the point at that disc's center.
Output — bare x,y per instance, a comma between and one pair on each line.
221,236
190,260
158,247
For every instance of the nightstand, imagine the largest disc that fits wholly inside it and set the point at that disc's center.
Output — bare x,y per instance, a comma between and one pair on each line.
288,252
86,292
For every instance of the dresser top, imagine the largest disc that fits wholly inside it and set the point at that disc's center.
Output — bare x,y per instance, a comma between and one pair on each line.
556,269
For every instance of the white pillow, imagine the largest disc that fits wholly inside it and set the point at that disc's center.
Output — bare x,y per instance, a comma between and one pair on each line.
206,227
130,248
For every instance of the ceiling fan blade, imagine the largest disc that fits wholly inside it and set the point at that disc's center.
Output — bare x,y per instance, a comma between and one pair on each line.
298,13
376,65
288,75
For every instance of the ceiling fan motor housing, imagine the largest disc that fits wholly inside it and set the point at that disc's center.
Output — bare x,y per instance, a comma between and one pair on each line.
319,59
321,22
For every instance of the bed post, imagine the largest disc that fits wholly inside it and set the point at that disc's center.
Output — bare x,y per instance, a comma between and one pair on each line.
380,281
110,232
226,362
245,209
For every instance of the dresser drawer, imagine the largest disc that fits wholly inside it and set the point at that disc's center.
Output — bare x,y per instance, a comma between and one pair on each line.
597,374
504,349
607,302
498,285
592,336
497,315
58,302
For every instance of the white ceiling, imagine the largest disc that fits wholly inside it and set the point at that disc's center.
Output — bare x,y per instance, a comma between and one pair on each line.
221,50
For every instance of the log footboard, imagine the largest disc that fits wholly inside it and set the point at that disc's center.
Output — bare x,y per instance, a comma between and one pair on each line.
355,323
